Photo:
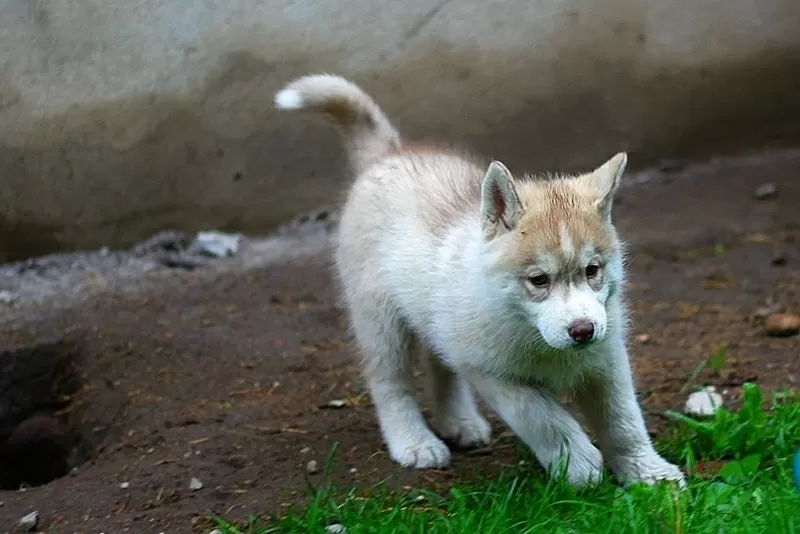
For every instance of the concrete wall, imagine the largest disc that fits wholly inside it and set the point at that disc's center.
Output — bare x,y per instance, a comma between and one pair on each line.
119,118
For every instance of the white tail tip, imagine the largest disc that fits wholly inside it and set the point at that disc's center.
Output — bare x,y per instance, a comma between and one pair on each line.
288,99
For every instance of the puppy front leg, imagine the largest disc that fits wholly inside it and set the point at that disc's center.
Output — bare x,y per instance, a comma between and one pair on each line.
545,426
608,401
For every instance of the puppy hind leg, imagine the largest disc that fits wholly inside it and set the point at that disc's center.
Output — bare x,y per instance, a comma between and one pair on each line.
456,416
386,345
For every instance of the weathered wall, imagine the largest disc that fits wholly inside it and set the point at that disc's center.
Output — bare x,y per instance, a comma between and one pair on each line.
120,118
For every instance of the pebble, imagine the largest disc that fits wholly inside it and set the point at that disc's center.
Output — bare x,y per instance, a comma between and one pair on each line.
215,531
305,450
195,484
643,338
125,485
312,467
782,324
703,403
336,528
29,522
765,191
337,403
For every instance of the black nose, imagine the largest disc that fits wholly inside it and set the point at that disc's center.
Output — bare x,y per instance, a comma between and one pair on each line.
581,331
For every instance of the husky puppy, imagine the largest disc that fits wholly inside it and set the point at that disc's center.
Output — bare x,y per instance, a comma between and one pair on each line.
508,286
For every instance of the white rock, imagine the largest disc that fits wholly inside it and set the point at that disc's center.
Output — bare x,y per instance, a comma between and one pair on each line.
337,403
195,484
216,244
312,467
29,522
336,528
125,485
215,531
703,403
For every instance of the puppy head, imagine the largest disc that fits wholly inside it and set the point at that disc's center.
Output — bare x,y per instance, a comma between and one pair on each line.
552,249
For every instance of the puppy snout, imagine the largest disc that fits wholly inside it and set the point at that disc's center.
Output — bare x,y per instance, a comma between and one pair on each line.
581,331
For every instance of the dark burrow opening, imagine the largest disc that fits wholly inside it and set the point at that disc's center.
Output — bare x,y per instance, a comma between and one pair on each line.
43,433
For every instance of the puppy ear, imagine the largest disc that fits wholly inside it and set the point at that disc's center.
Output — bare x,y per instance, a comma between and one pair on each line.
606,180
501,208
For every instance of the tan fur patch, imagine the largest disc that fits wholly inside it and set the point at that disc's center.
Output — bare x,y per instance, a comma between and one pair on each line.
557,210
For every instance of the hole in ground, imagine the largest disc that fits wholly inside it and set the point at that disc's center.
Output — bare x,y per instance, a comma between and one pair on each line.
41,432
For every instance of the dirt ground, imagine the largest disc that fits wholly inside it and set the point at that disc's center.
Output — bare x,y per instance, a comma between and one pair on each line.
227,378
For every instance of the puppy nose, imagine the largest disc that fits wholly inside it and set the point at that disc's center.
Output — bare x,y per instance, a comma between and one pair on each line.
581,331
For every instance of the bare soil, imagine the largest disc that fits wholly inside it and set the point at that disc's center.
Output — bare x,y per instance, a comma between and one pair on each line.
227,378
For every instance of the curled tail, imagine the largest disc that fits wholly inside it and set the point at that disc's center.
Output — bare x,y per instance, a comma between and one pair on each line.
367,131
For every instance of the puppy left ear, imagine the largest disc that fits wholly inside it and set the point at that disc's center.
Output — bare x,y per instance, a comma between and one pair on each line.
606,180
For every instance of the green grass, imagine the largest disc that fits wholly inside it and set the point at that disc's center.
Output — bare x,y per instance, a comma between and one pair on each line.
752,491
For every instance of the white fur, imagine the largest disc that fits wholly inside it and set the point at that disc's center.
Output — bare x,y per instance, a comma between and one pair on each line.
421,280
288,99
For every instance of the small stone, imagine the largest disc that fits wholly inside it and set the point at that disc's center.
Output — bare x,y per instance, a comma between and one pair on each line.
419,498
703,403
765,191
766,311
642,338
29,522
782,324
125,485
305,450
353,471
312,467
195,484
336,528
215,531
216,244
337,403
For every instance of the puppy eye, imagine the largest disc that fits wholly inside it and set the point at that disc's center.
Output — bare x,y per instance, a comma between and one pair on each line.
540,280
592,270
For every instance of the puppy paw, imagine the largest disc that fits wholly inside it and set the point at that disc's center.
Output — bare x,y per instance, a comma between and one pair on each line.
421,452
465,432
648,467
585,466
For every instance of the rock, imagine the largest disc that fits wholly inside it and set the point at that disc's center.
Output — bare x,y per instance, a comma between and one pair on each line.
312,467
305,450
29,522
765,191
125,485
216,244
782,324
195,484
215,531
643,338
703,403
336,403
336,528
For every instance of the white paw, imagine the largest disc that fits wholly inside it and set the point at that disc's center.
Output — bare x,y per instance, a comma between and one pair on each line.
421,452
585,466
465,432
647,467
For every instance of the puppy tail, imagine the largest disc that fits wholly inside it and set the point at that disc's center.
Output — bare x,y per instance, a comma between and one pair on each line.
367,132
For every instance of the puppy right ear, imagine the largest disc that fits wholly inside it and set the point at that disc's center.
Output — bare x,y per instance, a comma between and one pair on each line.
501,208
